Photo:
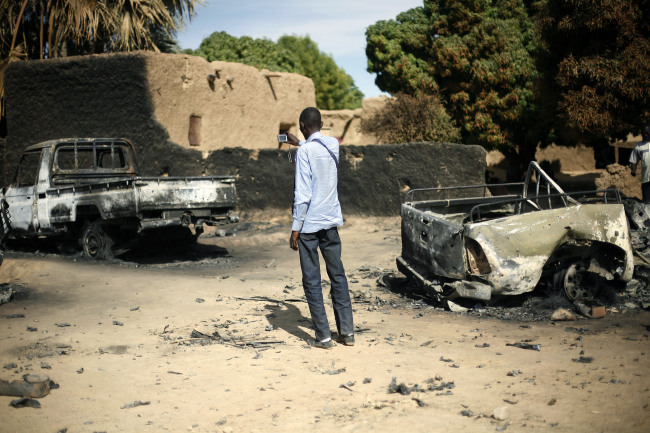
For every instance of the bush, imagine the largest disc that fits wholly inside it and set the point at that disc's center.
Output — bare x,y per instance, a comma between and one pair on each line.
406,119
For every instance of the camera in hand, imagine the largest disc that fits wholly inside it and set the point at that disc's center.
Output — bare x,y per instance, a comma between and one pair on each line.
282,138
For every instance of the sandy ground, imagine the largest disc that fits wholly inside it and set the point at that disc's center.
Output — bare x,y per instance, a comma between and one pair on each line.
129,340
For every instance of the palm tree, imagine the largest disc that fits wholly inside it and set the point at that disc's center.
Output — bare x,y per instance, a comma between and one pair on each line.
38,29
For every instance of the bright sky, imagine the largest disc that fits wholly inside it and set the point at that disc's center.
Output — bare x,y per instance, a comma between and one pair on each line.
337,26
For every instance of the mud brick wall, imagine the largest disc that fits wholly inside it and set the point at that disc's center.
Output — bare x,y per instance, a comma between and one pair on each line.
372,179
86,96
119,96
155,100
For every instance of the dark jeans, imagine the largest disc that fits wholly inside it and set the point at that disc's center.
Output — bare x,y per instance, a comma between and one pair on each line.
330,246
645,190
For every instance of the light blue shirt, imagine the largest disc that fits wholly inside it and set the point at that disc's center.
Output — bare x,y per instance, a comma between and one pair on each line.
316,200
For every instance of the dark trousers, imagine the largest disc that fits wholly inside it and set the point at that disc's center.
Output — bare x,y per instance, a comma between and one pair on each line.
645,190
330,247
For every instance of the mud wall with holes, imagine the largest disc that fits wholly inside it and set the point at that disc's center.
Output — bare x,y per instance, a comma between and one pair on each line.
152,99
372,179
175,108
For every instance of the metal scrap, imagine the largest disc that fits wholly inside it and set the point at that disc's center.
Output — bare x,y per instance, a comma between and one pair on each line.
522,345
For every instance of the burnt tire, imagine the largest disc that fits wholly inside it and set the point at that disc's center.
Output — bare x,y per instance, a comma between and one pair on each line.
96,243
576,281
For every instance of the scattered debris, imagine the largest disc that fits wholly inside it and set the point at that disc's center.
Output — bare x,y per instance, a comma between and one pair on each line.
419,402
454,307
501,413
598,312
25,402
135,404
522,345
11,366
113,350
253,340
562,314
584,359
466,412
403,389
581,331
117,323
31,386
514,372
6,293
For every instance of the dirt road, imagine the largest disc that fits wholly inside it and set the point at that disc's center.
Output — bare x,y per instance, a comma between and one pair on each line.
118,339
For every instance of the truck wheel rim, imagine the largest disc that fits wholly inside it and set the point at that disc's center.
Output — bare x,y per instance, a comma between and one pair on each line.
93,245
574,282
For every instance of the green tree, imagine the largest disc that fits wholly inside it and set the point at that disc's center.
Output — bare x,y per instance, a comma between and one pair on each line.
406,119
335,89
475,54
261,53
595,58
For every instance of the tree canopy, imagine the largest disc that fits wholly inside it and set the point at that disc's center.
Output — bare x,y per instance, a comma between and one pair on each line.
513,73
51,28
596,62
475,54
40,29
335,89
406,119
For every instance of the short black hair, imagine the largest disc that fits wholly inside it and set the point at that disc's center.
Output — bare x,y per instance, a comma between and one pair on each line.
310,116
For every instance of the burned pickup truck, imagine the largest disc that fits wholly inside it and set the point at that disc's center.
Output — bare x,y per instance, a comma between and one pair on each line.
90,189
484,241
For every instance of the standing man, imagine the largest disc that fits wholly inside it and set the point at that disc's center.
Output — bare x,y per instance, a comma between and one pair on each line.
316,216
641,153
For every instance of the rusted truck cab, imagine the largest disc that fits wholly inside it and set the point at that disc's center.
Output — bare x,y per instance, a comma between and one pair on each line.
91,189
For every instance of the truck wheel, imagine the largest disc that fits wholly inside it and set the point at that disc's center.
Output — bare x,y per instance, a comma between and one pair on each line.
576,281
96,243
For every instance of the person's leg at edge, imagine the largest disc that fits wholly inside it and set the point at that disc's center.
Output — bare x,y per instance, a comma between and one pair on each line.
330,246
310,266
645,191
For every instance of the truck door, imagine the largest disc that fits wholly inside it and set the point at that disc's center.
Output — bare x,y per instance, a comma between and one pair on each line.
21,194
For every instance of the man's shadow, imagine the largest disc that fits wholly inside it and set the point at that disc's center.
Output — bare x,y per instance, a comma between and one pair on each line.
286,316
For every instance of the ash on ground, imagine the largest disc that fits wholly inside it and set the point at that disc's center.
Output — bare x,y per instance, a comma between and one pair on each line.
538,305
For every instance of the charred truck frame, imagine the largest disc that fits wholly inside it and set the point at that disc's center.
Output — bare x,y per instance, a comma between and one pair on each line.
484,241
90,189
